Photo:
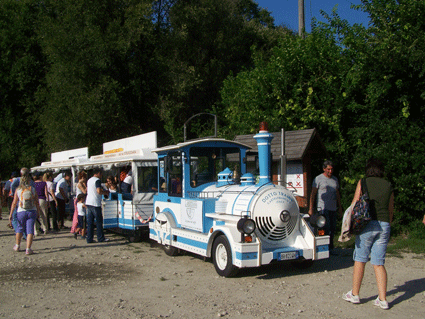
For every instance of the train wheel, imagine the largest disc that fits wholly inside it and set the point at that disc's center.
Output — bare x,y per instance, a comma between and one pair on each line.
170,250
135,237
222,257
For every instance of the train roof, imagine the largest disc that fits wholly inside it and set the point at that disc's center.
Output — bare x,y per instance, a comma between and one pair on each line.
60,165
201,142
143,156
140,155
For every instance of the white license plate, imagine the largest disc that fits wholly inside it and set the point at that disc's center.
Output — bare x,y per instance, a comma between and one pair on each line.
288,256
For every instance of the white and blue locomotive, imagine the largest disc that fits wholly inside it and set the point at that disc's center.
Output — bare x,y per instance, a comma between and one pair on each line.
203,207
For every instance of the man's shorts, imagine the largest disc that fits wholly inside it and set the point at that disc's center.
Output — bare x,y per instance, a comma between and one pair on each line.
372,242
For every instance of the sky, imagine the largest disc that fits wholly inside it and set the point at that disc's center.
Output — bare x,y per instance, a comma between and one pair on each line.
286,11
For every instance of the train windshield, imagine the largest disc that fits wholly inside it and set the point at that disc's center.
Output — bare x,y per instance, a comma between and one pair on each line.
207,162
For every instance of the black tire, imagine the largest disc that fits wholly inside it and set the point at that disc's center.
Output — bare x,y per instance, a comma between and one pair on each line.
170,250
135,237
222,257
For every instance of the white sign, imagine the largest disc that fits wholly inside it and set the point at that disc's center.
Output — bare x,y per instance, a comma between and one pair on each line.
142,141
70,154
192,214
295,178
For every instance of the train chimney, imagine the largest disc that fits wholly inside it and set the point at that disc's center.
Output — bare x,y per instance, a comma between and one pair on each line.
264,139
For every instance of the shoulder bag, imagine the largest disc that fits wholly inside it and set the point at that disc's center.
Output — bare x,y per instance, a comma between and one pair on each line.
360,216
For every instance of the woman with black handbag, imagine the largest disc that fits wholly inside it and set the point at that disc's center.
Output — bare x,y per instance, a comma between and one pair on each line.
371,243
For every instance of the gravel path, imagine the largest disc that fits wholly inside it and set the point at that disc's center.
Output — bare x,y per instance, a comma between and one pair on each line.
67,278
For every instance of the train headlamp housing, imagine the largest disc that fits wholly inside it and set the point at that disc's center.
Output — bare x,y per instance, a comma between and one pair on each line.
246,226
318,220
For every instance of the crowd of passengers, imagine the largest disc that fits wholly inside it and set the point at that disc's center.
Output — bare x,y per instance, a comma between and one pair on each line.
53,194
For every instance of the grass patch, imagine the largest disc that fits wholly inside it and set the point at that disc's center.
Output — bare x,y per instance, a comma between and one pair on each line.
397,246
402,244
345,245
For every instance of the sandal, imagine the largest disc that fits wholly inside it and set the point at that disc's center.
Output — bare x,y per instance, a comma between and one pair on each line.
10,226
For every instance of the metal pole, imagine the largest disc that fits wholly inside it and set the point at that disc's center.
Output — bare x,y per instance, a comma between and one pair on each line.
282,158
301,18
215,124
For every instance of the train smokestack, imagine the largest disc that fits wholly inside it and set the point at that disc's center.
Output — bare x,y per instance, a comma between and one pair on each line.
264,139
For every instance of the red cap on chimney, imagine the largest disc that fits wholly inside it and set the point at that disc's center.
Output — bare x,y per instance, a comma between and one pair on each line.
264,126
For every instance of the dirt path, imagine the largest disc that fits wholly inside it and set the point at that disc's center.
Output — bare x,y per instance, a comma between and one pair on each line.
67,278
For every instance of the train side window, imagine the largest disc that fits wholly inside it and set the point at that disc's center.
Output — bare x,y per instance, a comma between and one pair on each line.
162,176
175,174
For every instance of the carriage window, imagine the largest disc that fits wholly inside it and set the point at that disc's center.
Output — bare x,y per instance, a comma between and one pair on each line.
147,179
206,163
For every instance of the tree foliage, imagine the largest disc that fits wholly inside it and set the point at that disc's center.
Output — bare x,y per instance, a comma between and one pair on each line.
298,87
387,90
363,88
22,73
208,40
101,76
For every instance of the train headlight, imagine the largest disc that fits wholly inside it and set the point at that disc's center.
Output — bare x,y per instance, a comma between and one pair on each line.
246,226
318,220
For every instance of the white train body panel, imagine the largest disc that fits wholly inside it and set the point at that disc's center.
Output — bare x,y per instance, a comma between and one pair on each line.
274,239
199,213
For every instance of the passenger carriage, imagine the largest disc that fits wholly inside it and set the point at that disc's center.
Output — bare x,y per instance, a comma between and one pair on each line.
126,213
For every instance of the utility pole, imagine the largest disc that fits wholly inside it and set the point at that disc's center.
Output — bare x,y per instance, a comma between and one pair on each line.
301,18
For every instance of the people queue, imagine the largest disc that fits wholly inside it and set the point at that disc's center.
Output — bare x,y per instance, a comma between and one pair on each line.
37,203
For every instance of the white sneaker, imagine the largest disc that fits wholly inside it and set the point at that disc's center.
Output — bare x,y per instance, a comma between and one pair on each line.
350,297
381,303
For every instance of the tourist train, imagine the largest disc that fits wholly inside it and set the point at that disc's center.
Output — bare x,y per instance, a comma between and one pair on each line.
198,196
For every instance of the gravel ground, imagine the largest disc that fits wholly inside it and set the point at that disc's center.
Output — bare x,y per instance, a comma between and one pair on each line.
67,278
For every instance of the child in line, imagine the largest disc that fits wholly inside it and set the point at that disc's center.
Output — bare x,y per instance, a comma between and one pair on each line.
81,208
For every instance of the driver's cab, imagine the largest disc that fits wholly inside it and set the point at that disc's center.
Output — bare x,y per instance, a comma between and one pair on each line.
190,167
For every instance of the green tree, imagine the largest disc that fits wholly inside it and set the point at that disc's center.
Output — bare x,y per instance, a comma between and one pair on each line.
386,90
22,73
363,88
102,79
208,40
298,87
